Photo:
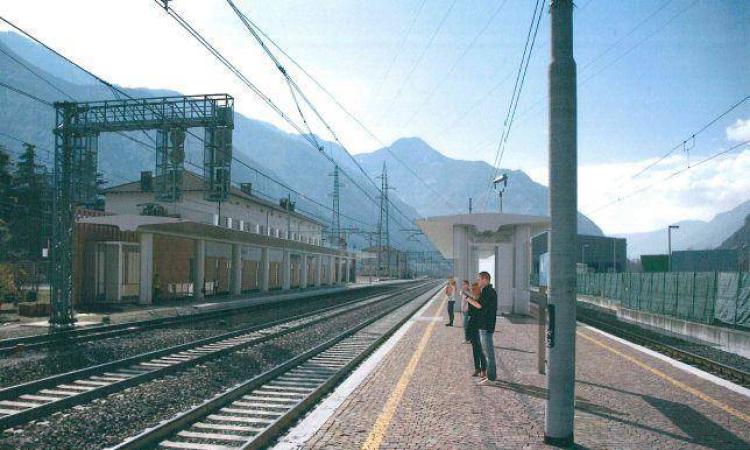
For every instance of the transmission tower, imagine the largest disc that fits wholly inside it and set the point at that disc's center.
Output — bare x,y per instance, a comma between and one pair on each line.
336,217
384,239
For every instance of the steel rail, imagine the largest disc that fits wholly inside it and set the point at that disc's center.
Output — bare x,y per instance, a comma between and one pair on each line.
334,355
35,399
729,373
18,344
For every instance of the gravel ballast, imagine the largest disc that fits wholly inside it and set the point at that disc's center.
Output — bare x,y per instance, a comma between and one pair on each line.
35,364
697,348
110,420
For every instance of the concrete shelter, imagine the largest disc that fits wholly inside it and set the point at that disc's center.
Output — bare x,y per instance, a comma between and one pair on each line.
466,238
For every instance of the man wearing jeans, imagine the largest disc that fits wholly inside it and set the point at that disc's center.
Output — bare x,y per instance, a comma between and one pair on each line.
488,302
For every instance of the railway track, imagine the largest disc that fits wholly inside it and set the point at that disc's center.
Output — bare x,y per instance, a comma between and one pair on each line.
724,371
36,399
252,414
62,338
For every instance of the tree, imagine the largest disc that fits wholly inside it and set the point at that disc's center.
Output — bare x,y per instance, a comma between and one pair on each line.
7,203
30,190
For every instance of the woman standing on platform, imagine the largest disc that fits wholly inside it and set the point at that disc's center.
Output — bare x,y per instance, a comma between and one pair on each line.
452,293
465,311
480,362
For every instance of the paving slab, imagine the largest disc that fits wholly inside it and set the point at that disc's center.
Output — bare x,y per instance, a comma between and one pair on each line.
421,396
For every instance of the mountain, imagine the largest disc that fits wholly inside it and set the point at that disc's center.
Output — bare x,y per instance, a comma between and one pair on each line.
38,56
266,152
263,148
692,234
456,181
740,239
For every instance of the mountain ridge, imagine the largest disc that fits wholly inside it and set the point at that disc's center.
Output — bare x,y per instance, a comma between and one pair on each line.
692,234
259,145
456,181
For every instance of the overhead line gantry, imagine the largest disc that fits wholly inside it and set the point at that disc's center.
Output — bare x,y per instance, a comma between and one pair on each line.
77,129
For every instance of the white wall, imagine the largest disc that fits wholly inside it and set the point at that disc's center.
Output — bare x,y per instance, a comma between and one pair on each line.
194,207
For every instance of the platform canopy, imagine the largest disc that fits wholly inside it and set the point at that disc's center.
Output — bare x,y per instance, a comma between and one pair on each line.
466,238
486,227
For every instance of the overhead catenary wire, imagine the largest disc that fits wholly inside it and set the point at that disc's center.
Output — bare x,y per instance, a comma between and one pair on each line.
25,94
539,102
692,136
399,49
517,89
117,90
345,110
239,74
672,175
456,62
419,59
525,114
293,85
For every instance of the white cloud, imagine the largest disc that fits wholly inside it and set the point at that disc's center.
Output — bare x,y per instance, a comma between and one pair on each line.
696,194
739,131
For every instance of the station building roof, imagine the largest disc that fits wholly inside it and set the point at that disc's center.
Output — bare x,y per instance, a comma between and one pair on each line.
192,182
171,226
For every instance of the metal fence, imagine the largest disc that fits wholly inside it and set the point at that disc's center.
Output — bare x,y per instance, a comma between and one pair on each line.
706,297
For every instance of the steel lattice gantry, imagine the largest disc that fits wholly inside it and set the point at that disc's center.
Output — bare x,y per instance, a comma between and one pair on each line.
77,130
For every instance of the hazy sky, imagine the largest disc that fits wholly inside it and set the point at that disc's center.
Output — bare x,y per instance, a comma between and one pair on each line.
651,73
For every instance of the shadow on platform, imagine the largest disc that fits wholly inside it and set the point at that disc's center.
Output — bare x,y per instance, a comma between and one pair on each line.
700,430
581,403
517,319
511,349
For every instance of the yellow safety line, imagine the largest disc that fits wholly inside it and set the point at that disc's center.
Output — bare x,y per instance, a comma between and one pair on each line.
377,434
679,384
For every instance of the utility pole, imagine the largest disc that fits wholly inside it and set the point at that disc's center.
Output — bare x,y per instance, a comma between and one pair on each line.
614,255
583,255
336,219
384,240
469,205
288,216
563,183
669,246
500,184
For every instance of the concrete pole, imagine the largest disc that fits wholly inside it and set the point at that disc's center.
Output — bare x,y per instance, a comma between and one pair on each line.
199,269
146,291
318,269
669,246
303,271
332,274
236,280
347,275
563,184
461,249
265,269
286,271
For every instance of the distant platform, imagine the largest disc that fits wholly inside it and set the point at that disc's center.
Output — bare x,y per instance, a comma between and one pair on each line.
134,312
418,393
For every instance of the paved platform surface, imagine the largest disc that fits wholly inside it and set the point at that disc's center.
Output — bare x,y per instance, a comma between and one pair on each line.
421,396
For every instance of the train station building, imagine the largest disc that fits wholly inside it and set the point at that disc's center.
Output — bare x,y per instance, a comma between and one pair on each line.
145,251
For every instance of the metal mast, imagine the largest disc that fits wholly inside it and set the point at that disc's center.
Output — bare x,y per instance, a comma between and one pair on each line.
77,130
336,218
384,239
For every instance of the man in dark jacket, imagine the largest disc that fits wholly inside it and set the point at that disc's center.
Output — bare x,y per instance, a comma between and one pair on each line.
488,302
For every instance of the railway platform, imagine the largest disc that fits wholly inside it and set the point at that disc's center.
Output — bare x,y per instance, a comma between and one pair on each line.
418,393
